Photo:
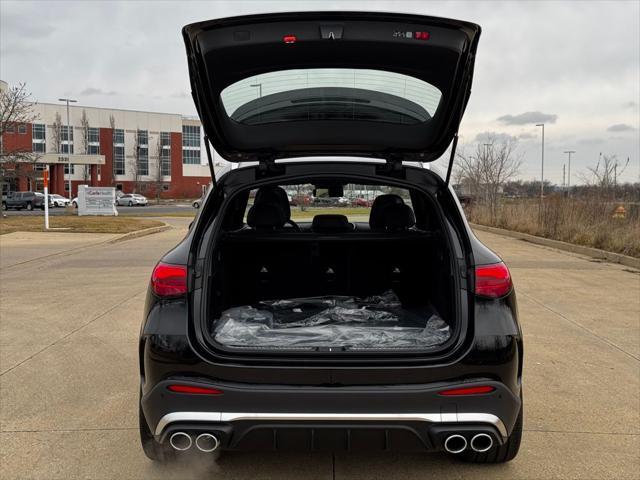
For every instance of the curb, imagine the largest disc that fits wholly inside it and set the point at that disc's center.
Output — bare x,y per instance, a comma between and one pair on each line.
567,247
141,233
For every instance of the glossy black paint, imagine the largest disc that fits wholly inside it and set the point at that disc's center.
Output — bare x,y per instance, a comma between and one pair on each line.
169,351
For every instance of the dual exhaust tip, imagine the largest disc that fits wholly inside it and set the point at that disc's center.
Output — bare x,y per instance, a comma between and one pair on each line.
205,442
480,443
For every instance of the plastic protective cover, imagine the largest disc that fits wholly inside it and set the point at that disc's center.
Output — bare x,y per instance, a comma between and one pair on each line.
376,322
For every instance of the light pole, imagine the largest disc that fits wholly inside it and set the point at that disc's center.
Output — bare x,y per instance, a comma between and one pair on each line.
569,172
68,100
542,164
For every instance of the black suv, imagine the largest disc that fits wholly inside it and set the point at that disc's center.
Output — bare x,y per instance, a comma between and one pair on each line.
396,331
20,200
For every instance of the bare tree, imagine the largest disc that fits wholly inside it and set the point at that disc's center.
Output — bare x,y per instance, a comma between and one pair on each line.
112,124
134,162
16,110
57,133
158,173
484,172
604,176
84,123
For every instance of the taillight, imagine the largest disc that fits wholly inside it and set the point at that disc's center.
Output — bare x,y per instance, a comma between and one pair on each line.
194,390
169,280
479,390
493,281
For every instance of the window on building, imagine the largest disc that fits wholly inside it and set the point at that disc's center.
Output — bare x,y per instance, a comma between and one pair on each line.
191,136
118,151
65,134
165,187
40,167
10,128
66,169
93,141
143,152
165,153
191,144
118,160
66,140
119,187
39,138
191,157
118,136
22,129
66,148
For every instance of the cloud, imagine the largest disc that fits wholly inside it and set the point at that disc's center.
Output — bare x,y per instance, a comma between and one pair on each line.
97,91
629,104
491,137
526,136
528,117
620,127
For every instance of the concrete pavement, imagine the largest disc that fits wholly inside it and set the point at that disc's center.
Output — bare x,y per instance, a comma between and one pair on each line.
68,371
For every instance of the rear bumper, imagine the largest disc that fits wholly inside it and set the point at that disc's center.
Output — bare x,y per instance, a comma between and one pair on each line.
407,418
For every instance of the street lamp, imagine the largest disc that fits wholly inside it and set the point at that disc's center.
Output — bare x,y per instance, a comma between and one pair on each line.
542,163
569,173
68,100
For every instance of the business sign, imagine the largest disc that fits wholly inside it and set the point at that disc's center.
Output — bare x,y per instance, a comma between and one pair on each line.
96,200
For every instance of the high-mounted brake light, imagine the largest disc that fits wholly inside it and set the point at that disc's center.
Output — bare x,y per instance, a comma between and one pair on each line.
493,281
169,280
289,39
422,35
194,390
454,392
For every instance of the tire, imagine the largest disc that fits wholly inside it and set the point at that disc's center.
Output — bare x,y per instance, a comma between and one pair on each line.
75,205
196,205
152,449
130,204
29,206
499,453
4,206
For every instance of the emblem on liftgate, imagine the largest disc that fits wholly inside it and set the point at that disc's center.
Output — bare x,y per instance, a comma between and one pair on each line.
331,32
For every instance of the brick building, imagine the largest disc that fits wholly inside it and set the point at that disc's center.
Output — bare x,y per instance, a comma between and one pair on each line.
170,158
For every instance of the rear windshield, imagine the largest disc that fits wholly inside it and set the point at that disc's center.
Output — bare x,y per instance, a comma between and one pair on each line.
331,94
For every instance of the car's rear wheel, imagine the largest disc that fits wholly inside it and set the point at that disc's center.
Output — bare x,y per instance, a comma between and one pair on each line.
152,449
131,204
499,453
4,206
29,206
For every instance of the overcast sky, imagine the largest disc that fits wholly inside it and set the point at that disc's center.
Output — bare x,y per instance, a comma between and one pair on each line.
573,65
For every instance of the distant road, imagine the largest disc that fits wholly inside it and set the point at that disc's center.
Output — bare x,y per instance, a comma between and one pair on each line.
182,208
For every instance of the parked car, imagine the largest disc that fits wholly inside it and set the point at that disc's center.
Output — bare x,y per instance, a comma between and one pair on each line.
20,200
400,333
361,202
132,200
56,200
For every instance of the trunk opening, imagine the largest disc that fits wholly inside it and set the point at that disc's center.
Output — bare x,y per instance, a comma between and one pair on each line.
333,284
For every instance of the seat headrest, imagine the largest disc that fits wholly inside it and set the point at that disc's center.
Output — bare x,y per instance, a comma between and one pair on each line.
397,217
379,204
266,216
276,196
331,224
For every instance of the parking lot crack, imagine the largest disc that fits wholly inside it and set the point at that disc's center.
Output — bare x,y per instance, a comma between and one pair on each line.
67,335
579,325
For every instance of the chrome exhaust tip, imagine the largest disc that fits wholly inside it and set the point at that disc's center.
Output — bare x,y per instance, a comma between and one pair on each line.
455,444
481,442
180,441
207,442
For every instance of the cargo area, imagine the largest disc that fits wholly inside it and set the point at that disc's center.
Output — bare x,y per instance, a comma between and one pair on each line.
330,284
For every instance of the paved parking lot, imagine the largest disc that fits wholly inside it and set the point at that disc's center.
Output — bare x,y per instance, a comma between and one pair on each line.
68,370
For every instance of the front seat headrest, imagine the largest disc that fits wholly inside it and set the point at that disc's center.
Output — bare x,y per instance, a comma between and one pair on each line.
331,224
397,217
266,216
379,204
276,196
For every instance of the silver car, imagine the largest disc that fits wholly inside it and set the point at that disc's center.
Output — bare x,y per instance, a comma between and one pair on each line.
132,200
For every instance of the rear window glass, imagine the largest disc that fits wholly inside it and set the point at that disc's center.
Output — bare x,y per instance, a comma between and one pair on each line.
331,94
306,201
